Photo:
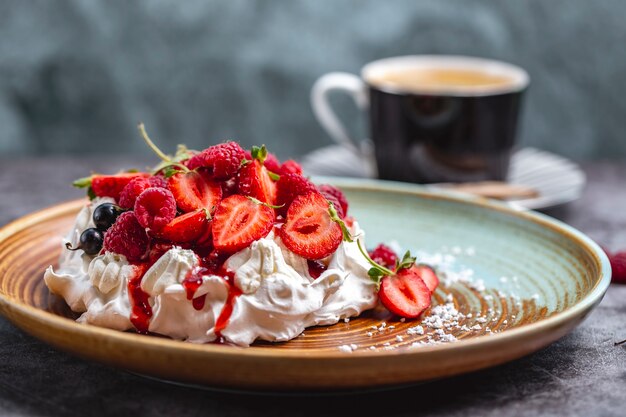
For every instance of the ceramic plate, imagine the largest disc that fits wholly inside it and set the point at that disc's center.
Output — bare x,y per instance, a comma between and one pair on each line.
557,180
519,280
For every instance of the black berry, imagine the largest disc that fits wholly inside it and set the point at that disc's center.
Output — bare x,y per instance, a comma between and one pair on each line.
90,241
105,215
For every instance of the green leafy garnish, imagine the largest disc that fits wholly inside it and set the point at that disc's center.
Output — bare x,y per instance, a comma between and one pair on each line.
376,272
335,217
406,262
171,163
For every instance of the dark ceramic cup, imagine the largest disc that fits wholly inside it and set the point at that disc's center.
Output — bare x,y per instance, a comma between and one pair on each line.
435,132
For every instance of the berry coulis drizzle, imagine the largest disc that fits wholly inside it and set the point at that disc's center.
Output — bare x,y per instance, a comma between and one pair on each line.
316,268
141,311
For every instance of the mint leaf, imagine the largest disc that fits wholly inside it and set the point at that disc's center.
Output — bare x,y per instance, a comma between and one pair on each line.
376,272
407,261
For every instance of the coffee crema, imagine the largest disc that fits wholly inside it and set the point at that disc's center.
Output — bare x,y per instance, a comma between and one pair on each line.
438,79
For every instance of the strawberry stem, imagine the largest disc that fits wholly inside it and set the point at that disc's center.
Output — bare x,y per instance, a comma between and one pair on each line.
259,153
155,149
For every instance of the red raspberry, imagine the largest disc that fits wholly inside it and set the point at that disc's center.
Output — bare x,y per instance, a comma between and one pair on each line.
327,189
331,198
221,161
290,167
618,265
155,208
384,255
129,194
289,186
127,237
158,181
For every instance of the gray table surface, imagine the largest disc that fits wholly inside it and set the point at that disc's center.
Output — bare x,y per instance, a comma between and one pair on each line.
583,374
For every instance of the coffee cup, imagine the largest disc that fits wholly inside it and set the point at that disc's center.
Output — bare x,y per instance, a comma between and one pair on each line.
432,118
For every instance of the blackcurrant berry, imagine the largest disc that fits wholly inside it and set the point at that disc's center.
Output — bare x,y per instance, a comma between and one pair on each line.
90,242
105,215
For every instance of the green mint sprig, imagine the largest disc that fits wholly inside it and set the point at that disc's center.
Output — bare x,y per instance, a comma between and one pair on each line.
334,216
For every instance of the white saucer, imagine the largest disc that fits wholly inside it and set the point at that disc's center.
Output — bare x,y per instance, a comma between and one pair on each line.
557,179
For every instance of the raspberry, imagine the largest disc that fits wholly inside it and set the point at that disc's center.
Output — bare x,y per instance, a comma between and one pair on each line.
331,198
290,167
158,181
618,265
155,208
221,161
384,255
127,237
129,194
289,186
327,190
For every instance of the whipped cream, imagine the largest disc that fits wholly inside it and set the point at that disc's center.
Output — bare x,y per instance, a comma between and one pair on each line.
276,296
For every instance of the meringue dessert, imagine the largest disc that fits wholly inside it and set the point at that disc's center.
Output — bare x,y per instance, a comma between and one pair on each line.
226,245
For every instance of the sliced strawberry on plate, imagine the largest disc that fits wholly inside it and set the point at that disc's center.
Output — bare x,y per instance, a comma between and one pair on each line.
238,221
195,190
309,231
428,275
404,293
112,185
188,227
255,181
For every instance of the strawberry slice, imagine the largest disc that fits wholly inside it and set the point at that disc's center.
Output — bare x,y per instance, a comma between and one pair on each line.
255,181
238,222
188,227
112,185
405,293
194,190
309,230
428,275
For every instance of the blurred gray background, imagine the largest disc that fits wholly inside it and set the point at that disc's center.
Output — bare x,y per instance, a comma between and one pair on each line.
77,76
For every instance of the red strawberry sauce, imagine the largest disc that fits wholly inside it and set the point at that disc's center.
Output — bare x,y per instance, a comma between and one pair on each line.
227,310
141,310
316,268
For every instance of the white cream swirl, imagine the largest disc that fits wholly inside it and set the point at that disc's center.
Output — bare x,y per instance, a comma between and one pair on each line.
278,297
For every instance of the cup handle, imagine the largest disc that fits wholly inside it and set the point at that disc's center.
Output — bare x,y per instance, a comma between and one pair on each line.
337,81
